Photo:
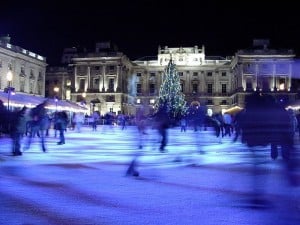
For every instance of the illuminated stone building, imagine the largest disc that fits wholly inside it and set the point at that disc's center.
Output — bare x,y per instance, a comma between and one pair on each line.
28,69
267,70
108,81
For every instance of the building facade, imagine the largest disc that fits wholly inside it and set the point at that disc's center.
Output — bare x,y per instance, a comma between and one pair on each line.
27,69
268,70
107,81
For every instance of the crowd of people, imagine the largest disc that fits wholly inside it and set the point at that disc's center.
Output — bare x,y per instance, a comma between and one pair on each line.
262,122
30,123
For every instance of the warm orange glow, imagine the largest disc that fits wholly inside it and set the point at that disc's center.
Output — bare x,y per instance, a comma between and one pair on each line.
9,76
56,89
281,86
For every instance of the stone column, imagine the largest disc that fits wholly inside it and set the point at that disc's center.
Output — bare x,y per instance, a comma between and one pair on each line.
243,77
256,75
88,83
274,86
118,79
76,78
103,76
290,77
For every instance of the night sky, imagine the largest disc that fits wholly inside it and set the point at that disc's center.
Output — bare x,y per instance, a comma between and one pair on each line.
138,27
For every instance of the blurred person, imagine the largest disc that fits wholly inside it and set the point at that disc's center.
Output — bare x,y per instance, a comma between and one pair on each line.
214,120
237,120
122,121
95,118
162,121
39,124
293,121
183,124
227,124
265,122
61,125
20,119
132,168
140,122
48,126
79,121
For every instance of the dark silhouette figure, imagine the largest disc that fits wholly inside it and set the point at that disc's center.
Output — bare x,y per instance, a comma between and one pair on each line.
162,123
140,120
39,124
265,122
4,119
61,123
132,171
18,130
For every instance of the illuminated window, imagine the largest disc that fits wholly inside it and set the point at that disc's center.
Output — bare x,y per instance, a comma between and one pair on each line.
68,94
281,84
138,101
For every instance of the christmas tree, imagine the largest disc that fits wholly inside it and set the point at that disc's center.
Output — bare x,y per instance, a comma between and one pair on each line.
170,94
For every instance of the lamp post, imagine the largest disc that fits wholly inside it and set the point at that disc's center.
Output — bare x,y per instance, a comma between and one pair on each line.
9,90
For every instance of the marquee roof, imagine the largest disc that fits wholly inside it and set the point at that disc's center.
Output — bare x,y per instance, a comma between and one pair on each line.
30,101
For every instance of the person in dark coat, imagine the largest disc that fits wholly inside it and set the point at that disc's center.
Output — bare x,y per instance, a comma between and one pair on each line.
265,122
4,120
61,124
162,123
19,130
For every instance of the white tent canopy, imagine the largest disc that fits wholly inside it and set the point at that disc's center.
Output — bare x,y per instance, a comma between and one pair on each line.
30,101
295,106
